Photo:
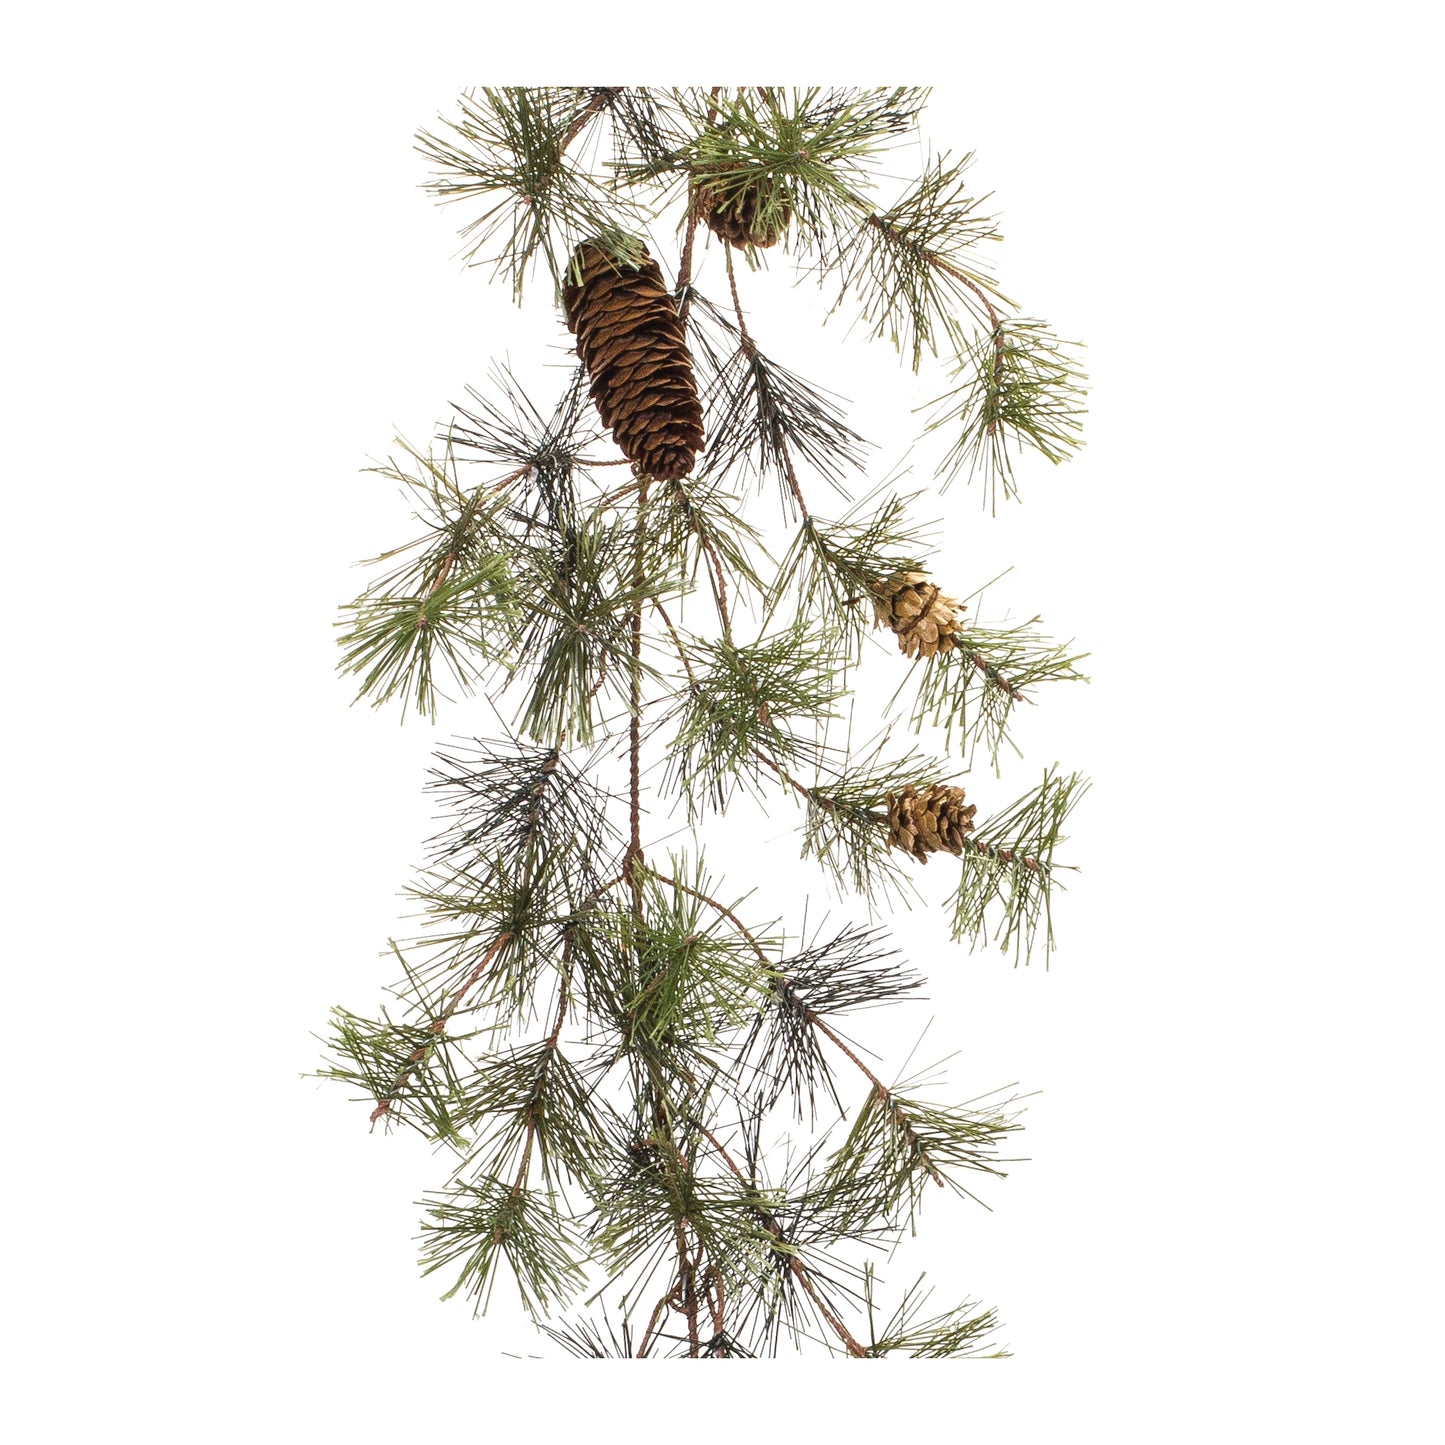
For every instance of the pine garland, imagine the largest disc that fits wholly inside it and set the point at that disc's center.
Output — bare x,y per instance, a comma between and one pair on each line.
586,1021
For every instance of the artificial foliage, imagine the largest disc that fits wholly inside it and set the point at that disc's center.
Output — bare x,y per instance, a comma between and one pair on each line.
661,574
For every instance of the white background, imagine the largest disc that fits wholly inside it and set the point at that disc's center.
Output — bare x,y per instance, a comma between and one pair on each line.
224,292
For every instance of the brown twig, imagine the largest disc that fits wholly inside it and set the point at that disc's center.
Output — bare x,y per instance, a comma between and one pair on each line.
964,279
684,267
939,264
714,1293
684,1298
438,1024
993,675
452,557
885,1097
1004,855
588,111
652,1324
510,478
621,492
719,578
795,1265
683,293
687,1304
751,347
788,778
677,643
722,909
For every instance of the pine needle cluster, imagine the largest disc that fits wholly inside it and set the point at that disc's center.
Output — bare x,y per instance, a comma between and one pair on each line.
585,1022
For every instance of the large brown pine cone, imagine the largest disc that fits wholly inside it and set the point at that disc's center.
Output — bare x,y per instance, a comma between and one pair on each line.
933,821
633,344
924,620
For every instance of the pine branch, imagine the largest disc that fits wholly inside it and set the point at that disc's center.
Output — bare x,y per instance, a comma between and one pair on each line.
507,150
759,413
958,1333
768,698
832,569
450,607
1020,387
782,1053
782,1245
845,825
645,128
534,805
972,690
927,1136
802,151
581,641
508,427
694,525
478,1223
412,1074
1008,863
532,1100
898,1143
912,268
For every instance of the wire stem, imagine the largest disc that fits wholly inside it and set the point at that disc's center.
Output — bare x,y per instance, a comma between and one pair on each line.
634,730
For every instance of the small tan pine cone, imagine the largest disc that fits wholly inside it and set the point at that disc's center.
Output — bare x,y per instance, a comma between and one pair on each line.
924,620
935,820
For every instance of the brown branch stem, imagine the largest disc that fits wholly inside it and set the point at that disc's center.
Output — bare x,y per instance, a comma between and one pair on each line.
588,111
1004,855
964,279
439,1023
993,675
885,1097
687,1304
684,269
652,1324
677,643
796,1266
715,1295
751,347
